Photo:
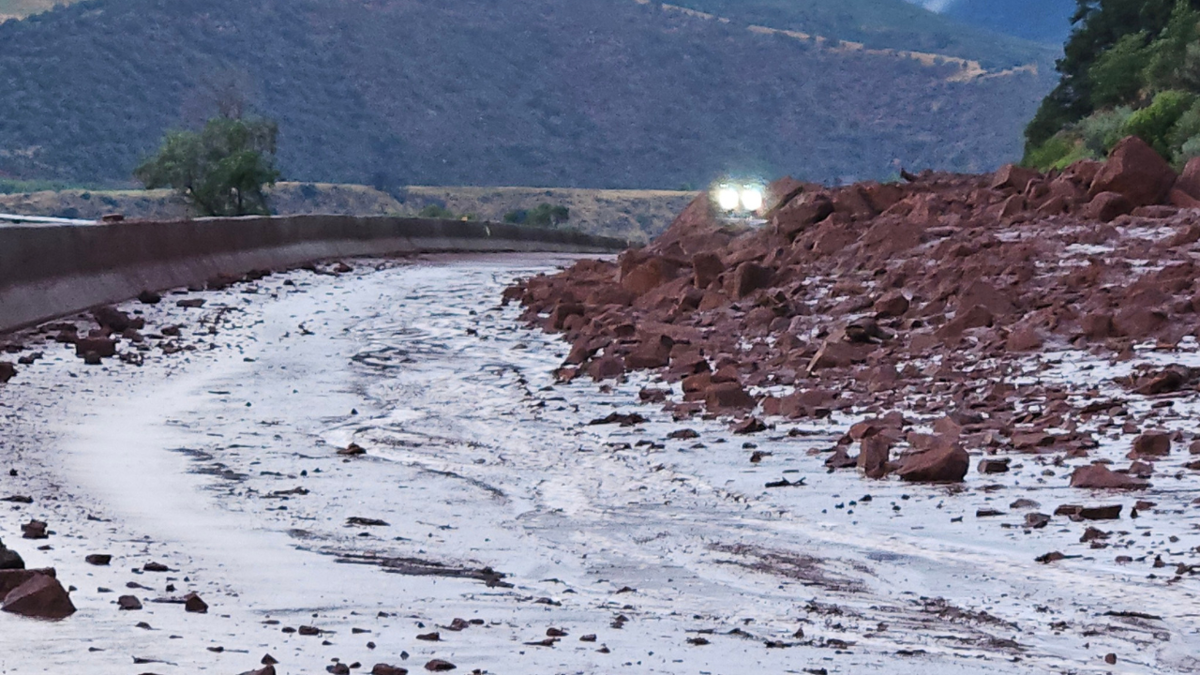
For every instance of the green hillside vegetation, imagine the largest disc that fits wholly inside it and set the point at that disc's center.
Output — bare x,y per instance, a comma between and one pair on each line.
603,94
1131,68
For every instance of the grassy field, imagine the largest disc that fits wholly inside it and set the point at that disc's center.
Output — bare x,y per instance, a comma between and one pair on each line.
636,215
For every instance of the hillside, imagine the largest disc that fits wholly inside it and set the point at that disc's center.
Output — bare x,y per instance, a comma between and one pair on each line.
634,215
1047,21
611,93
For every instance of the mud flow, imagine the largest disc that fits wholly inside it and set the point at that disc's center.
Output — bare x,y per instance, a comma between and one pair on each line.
377,464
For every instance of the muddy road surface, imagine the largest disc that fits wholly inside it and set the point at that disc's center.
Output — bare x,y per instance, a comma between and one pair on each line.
490,524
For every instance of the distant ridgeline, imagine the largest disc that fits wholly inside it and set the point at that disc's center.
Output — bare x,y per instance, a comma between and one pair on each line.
1131,67
606,93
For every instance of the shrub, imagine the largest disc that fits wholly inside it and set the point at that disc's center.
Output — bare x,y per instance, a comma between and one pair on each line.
437,211
1102,130
1059,152
1155,122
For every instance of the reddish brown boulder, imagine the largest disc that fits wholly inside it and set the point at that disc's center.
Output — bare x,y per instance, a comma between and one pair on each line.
7,371
801,213
1183,200
1098,326
643,277
750,277
654,352
706,267
102,347
192,603
874,455
1189,180
945,463
387,669
41,597
1023,339
606,368
438,665
1135,171
1151,445
727,396
13,578
1099,477
1013,177
1108,206
892,304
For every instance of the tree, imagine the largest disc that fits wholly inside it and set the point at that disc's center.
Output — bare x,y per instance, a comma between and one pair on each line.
222,169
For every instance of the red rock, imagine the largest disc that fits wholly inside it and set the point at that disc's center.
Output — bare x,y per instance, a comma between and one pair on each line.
1011,208
13,578
102,347
1023,339
606,368
1183,200
34,529
1189,180
1100,512
1135,171
268,669
810,209
706,267
1151,444
750,277
1108,206
654,352
892,304
874,455
192,603
1098,326
41,597
881,196
386,669
946,463
7,371
438,665
1139,322
129,603
988,466
646,276
727,396
1099,477
1013,177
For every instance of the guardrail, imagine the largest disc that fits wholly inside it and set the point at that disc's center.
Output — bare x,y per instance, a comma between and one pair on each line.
55,269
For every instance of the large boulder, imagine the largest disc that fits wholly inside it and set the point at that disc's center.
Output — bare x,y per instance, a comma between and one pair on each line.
1137,172
1099,477
12,579
801,213
727,397
41,597
7,371
944,463
1189,180
1013,177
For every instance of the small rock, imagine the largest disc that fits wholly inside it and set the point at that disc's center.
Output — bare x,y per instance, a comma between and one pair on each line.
438,665
129,602
386,669
352,450
987,466
193,604
98,559
34,529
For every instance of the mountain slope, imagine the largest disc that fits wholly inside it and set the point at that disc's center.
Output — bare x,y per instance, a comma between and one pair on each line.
609,93
1047,21
885,24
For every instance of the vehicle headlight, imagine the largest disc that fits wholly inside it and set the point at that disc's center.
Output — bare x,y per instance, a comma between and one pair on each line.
752,198
728,198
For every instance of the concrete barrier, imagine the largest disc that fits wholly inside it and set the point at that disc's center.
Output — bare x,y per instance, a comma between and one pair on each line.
48,271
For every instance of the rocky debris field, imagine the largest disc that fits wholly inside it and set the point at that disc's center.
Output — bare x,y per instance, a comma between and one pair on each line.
378,464
938,309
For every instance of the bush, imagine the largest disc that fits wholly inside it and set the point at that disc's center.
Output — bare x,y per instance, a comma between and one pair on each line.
437,211
1154,124
1061,151
1104,129
1117,76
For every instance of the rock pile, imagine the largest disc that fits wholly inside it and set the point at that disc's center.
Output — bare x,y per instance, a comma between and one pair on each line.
919,297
